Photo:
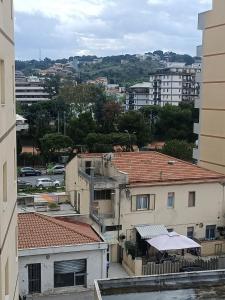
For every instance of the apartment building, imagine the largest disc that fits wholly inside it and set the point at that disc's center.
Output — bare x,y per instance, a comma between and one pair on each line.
122,191
30,90
8,171
169,85
210,152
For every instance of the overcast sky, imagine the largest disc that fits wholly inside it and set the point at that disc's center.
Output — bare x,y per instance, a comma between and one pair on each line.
63,28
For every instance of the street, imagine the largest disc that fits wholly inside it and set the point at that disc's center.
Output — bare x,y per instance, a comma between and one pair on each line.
32,179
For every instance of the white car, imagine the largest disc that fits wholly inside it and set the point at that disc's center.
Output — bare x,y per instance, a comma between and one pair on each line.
57,169
47,182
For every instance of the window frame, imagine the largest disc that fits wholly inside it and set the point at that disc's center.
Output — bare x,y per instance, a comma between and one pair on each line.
151,199
191,201
168,199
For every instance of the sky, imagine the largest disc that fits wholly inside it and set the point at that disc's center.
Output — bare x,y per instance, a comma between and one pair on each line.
63,28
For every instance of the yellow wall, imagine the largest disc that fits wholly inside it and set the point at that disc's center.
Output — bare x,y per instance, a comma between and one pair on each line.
7,154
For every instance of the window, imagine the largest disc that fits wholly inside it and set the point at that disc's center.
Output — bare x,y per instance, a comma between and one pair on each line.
190,232
7,278
2,82
70,273
113,228
170,200
34,278
5,182
143,202
210,233
88,167
191,199
102,194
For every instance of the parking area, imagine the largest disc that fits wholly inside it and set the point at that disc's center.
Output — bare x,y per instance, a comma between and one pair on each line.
33,179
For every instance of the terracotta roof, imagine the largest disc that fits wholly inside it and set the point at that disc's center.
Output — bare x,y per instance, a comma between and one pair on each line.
38,231
152,167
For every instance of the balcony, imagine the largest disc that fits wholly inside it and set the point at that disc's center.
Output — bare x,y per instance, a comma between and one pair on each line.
196,128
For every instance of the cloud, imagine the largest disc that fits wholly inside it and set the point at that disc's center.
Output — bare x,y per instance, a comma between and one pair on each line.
104,27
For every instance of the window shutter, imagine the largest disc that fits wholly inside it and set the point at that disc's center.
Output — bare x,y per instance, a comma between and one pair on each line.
133,203
70,266
152,202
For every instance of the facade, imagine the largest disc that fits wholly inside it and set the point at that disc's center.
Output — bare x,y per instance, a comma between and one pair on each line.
123,190
211,142
30,90
169,85
58,255
8,170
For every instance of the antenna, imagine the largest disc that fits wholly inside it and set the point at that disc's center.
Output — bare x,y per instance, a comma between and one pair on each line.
40,55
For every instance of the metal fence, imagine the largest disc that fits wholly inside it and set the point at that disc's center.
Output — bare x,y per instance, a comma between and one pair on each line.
152,268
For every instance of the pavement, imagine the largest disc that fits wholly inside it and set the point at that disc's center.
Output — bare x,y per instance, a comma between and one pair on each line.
32,179
117,271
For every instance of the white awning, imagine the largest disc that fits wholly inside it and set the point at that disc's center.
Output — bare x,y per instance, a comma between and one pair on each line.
150,231
172,241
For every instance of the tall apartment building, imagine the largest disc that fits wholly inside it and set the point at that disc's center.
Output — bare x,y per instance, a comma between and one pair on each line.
169,85
30,90
211,127
8,172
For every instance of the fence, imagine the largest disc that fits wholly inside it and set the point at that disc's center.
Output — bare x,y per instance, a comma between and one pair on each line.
152,268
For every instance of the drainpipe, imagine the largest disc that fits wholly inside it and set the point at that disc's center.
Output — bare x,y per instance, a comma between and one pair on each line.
91,190
119,209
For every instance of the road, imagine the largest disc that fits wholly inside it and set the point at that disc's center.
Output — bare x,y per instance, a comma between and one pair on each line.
32,179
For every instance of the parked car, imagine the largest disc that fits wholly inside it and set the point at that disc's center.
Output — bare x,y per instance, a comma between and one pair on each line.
191,269
23,184
28,171
57,169
47,182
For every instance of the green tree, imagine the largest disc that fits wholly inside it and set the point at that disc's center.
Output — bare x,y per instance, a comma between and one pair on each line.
178,149
53,143
52,86
133,122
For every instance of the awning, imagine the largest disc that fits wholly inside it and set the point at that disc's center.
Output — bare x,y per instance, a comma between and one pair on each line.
150,231
172,241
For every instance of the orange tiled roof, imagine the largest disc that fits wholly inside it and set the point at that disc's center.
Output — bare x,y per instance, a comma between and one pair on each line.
152,167
39,231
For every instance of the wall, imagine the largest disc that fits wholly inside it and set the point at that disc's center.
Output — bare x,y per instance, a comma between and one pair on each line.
209,208
96,267
8,220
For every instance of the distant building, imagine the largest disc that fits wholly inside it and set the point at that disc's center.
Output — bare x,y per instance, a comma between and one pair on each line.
30,89
210,130
21,124
169,85
58,255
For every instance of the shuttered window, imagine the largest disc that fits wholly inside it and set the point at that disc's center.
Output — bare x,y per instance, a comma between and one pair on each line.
143,202
70,273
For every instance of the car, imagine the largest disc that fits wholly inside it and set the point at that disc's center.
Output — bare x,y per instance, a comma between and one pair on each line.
28,171
57,169
23,184
47,182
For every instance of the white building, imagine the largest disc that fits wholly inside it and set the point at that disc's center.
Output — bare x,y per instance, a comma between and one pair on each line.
21,123
30,90
58,255
169,85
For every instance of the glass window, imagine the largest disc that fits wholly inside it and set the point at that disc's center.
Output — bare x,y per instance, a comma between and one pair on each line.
142,202
170,200
190,232
191,199
210,233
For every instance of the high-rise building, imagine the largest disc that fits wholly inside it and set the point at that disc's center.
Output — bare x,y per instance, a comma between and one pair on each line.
170,85
210,151
8,170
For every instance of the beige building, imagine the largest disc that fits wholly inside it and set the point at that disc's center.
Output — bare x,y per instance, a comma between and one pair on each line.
211,127
121,191
8,231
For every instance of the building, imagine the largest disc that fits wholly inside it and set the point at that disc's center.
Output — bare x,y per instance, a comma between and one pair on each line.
192,285
121,191
30,90
21,124
58,255
169,85
8,170
211,140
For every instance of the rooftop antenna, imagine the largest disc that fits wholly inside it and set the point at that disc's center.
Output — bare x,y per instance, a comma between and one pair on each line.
40,55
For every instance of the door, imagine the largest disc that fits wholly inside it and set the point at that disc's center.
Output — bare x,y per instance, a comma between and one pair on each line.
34,278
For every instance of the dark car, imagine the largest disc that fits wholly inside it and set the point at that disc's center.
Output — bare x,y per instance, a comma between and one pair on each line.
28,171
23,184
191,269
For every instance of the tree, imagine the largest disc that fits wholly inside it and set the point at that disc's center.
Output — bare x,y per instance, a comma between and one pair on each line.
55,142
178,149
52,86
111,112
133,122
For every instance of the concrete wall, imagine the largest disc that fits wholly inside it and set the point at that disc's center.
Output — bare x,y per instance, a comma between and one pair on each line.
212,113
8,232
96,266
